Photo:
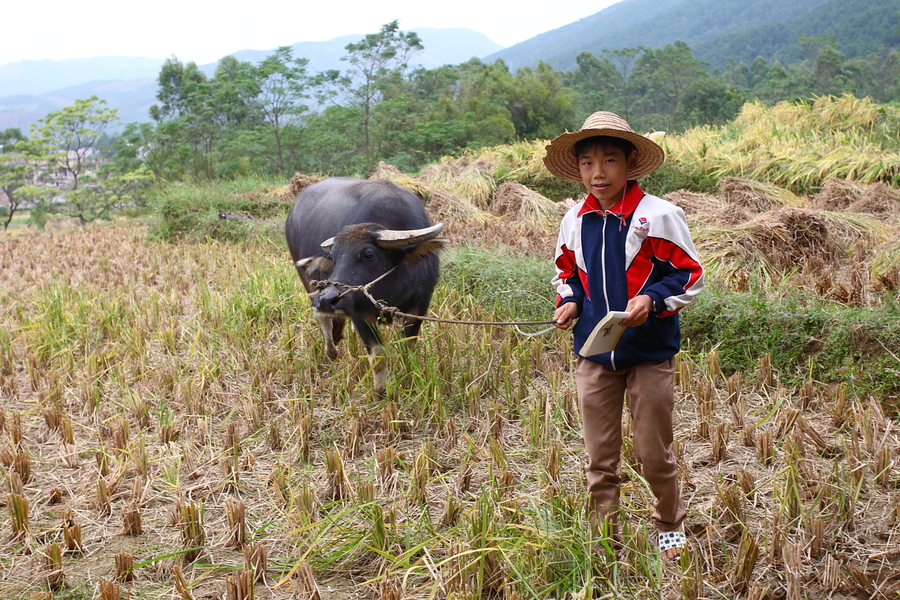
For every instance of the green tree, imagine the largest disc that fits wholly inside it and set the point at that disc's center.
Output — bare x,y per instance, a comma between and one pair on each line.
331,142
282,85
232,90
69,135
189,122
759,72
624,60
592,82
375,62
441,122
711,101
885,85
540,106
16,173
182,89
828,71
780,84
68,143
668,74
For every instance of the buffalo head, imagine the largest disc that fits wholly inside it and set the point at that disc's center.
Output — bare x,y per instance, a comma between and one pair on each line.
362,253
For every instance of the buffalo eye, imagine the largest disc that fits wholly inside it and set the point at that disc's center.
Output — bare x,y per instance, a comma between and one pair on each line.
367,254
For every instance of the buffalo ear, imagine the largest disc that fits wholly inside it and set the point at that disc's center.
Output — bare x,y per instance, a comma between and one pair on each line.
316,266
424,249
327,244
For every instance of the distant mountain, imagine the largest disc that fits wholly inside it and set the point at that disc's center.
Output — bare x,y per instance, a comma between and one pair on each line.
715,29
41,76
450,46
30,89
133,98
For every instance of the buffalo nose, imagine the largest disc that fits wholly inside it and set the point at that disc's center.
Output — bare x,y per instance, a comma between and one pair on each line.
325,300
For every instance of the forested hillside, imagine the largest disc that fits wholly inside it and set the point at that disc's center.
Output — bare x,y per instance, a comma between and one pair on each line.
30,89
553,46
737,29
858,27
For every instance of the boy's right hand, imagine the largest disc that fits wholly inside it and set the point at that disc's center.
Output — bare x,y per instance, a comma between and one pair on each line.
564,315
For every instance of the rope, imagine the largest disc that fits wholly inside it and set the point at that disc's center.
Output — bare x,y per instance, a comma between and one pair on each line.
393,311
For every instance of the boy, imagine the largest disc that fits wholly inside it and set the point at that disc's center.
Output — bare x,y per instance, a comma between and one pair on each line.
623,250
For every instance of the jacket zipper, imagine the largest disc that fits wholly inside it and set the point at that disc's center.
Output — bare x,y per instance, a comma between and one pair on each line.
612,354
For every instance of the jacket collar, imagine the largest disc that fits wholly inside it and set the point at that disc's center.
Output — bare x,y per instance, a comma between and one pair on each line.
623,208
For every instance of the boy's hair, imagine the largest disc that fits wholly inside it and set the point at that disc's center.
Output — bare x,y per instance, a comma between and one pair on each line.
603,140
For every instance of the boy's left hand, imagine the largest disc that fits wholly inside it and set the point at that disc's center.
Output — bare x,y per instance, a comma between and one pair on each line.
638,310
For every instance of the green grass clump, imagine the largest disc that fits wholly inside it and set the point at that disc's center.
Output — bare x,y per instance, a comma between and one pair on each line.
806,337
190,211
673,176
514,287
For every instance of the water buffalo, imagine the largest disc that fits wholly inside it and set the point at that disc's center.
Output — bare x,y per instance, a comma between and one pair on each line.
352,232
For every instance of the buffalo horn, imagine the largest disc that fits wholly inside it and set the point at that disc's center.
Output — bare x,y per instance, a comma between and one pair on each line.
327,244
390,238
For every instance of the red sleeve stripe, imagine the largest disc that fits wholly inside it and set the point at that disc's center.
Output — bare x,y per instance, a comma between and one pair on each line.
565,263
678,258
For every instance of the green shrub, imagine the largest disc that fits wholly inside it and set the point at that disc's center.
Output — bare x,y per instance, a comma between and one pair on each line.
806,337
672,176
190,211
513,287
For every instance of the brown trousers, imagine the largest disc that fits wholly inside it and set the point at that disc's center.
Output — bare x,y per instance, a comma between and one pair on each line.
651,400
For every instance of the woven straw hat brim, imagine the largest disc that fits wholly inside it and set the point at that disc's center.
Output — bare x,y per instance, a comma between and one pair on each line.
560,159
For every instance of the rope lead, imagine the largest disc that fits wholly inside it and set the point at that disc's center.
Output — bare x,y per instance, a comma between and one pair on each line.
393,311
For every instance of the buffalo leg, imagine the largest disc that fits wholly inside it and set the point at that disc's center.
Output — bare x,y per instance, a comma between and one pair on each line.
368,332
332,331
337,329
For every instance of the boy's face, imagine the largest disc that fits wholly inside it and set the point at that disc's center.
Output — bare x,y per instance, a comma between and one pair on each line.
604,172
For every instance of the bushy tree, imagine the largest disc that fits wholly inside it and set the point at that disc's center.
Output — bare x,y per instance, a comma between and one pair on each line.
624,60
16,173
66,147
282,86
666,75
188,123
72,166
377,62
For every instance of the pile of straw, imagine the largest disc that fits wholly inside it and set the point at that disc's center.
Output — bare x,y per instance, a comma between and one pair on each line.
453,209
842,195
296,185
706,209
788,237
523,204
392,173
755,195
471,179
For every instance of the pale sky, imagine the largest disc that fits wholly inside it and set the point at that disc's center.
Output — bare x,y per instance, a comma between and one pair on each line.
204,32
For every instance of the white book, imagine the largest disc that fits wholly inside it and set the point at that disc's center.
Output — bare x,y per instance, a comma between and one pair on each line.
605,335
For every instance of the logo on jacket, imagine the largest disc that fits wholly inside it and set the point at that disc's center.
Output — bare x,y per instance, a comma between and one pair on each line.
642,224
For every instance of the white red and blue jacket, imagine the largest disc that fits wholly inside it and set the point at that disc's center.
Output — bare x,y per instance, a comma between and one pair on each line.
604,258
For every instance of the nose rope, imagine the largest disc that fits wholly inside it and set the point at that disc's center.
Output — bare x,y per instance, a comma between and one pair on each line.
321,284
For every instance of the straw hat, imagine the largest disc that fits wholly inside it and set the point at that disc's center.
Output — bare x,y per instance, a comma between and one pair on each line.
561,161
